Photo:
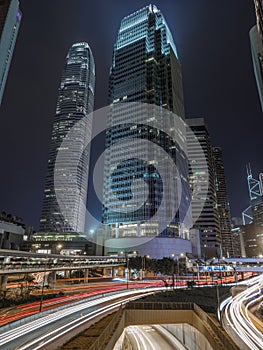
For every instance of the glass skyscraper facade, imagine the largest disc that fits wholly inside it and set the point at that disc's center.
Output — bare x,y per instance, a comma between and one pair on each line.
75,101
207,222
10,17
145,72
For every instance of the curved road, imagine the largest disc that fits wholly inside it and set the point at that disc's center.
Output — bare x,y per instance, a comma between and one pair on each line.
44,331
236,317
153,337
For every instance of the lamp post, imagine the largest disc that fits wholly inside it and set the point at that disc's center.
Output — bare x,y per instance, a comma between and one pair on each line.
127,266
144,264
58,248
198,272
173,270
177,264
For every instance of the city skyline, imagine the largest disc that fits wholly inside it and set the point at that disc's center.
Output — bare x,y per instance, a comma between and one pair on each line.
28,199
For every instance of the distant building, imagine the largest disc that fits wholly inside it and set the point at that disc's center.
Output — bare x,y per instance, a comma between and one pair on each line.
236,221
10,17
257,212
223,204
256,41
75,101
67,243
195,240
208,222
238,242
14,234
11,235
252,236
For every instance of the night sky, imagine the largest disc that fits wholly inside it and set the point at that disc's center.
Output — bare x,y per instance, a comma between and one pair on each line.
212,39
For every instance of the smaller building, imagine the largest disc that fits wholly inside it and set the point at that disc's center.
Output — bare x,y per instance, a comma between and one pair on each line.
252,236
238,243
67,243
11,235
194,237
257,211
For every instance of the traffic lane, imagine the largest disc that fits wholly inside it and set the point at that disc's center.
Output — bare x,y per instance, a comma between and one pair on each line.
35,330
236,320
151,338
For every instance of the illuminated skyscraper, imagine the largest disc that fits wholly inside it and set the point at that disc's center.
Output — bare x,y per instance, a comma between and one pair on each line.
145,69
75,101
223,204
10,17
256,40
208,222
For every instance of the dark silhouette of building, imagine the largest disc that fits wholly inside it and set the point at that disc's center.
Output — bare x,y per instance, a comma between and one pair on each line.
223,204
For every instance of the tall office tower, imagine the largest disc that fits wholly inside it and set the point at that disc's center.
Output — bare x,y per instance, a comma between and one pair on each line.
75,101
145,64
223,204
256,41
145,69
10,17
208,222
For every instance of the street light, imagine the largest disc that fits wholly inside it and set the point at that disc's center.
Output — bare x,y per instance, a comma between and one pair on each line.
144,263
177,263
127,264
59,247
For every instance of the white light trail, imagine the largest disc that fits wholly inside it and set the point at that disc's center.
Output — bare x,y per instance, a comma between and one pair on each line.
30,327
238,318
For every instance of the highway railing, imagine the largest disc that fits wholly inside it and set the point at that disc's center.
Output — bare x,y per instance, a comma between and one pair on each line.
101,342
19,270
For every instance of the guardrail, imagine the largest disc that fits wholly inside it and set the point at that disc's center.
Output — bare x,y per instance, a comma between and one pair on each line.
218,330
219,337
102,340
160,305
38,314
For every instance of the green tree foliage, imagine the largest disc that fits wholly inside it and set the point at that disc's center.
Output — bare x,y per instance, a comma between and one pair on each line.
164,266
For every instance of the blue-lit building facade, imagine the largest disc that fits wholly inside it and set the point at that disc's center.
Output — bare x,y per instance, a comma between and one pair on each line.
10,17
145,72
75,102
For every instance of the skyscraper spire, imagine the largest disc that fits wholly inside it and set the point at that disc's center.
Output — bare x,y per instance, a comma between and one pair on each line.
10,17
